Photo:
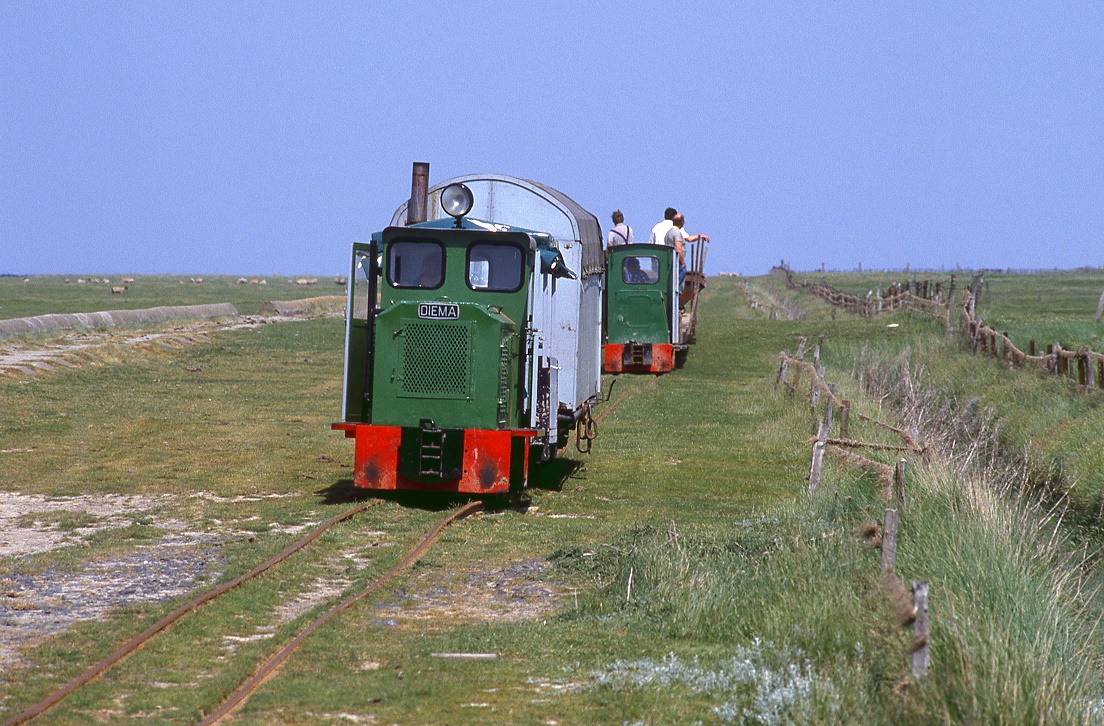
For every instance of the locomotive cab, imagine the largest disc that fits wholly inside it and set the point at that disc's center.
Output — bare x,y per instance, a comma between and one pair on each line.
642,314
450,381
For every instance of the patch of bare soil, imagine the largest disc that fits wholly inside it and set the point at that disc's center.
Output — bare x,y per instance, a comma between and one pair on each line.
503,594
35,607
33,523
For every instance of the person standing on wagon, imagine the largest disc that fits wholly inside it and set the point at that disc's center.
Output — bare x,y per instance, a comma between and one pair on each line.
677,238
621,234
659,232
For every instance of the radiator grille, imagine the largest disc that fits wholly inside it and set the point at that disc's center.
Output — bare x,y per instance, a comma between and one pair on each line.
435,360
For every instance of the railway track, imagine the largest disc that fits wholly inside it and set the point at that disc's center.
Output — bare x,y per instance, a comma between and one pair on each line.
413,554
103,666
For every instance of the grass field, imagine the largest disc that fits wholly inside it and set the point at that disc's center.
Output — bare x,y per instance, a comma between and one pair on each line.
43,294
1051,425
1049,307
749,602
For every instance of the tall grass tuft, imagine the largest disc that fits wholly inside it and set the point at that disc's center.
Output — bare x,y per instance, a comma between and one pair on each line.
1013,634
1014,604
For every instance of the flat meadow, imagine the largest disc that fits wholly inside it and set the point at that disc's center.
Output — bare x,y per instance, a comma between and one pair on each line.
22,297
680,573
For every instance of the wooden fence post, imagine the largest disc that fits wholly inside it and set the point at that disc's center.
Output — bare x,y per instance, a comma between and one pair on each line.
845,416
889,540
818,458
921,654
1031,347
1099,308
950,298
782,371
899,481
950,306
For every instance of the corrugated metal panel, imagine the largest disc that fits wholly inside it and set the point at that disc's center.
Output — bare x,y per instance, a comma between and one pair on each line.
589,233
531,205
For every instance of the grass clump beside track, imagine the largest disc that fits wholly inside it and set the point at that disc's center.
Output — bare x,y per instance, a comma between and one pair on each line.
796,597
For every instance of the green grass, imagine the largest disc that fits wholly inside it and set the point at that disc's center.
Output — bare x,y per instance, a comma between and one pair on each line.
744,590
1048,307
43,294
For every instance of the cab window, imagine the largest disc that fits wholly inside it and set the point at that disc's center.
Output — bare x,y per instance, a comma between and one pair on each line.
640,269
495,267
416,264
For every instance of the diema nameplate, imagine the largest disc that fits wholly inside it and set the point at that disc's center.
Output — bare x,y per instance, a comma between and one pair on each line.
439,311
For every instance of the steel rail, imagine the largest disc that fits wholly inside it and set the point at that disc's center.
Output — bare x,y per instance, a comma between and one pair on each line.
609,409
139,640
266,671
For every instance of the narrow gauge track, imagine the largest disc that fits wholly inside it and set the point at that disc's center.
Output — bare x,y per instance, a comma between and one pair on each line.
266,671
142,638
651,383
275,661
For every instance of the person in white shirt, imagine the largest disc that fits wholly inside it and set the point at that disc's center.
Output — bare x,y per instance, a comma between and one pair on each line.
659,232
621,234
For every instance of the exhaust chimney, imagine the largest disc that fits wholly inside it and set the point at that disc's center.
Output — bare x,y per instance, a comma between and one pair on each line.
416,209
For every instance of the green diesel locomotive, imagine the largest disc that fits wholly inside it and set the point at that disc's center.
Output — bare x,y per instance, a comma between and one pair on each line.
650,322
642,312
472,344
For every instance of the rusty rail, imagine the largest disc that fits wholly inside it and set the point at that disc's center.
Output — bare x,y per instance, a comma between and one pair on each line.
274,662
139,640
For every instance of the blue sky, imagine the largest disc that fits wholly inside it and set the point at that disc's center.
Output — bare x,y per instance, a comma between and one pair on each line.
259,138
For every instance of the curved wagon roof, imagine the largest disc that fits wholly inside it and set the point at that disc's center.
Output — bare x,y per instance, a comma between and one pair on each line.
529,204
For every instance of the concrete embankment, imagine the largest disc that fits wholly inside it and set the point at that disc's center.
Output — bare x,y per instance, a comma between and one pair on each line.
306,306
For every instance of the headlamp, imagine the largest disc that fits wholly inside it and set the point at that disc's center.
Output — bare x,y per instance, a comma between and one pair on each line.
456,200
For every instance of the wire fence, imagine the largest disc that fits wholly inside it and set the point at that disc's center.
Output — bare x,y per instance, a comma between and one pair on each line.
936,300
909,604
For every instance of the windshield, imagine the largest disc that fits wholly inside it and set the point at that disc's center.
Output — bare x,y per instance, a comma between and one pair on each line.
416,263
640,269
495,267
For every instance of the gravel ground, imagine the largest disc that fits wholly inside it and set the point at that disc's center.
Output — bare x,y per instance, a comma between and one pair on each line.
29,523
503,594
36,606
